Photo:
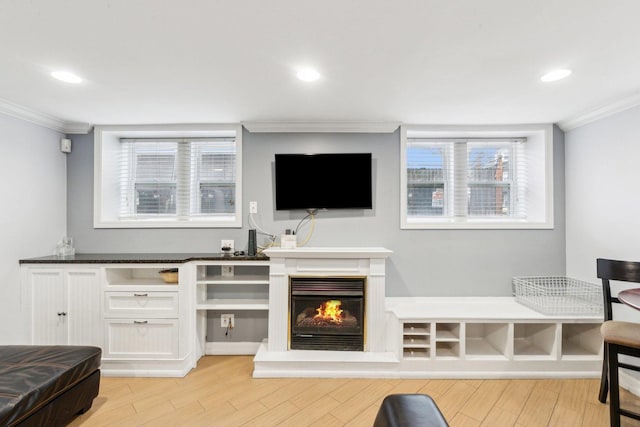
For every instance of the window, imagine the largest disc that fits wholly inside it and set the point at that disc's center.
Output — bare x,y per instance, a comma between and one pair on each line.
476,179
164,177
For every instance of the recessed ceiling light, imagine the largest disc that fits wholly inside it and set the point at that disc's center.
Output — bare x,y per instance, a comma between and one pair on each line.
308,75
66,77
554,75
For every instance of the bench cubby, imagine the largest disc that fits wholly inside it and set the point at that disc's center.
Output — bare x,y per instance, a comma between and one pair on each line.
492,337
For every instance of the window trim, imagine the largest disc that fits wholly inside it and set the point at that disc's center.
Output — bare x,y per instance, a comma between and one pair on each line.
106,207
541,138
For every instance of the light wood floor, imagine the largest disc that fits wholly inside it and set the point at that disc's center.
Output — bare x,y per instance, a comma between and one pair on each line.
221,392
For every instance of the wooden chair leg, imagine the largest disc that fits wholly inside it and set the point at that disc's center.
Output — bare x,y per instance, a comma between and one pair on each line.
614,387
604,380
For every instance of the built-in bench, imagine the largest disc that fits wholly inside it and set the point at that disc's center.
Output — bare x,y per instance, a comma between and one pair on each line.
488,337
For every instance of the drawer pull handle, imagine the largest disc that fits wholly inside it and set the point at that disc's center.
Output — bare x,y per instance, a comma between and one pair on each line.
62,313
140,322
140,295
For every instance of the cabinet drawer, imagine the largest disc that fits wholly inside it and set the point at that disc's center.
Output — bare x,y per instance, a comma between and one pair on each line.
141,338
141,304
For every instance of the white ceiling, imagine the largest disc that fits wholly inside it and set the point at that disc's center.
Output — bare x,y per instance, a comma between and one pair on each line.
411,61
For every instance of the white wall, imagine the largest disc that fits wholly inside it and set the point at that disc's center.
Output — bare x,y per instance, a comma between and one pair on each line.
33,213
603,202
603,199
603,193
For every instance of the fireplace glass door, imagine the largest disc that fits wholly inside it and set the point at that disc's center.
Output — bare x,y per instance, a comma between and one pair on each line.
327,313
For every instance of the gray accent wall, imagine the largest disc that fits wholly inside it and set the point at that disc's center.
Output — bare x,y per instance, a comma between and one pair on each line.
424,262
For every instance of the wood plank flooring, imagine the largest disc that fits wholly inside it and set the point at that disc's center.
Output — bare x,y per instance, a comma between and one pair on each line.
221,392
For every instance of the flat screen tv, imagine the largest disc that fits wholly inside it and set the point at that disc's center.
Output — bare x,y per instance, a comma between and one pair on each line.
323,181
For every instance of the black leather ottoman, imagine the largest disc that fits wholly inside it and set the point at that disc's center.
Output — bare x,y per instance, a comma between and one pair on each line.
409,410
47,385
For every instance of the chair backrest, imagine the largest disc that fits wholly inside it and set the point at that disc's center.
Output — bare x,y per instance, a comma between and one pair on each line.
609,269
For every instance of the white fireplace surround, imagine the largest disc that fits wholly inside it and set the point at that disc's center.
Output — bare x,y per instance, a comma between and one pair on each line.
334,262
323,262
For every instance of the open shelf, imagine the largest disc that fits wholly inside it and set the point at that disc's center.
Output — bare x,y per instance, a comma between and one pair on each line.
447,350
447,340
416,328
415,353
251,273
534,339
233,304
447,331
246,279
486,339
415,341
237,287
581,339
136,277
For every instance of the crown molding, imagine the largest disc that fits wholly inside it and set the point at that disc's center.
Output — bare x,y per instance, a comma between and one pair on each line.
18,111
600,112
77,128
336,127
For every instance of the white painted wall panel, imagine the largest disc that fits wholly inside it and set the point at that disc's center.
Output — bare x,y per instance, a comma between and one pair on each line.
33,218
603,201
602,193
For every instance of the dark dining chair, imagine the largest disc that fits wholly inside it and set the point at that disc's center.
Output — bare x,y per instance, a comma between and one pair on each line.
619,337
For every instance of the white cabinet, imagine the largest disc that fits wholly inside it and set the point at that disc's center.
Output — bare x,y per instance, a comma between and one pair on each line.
139,321
63,305
492,337
236,287
142,303
149,338
142,313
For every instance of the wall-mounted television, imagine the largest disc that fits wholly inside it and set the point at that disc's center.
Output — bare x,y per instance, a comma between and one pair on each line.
323,181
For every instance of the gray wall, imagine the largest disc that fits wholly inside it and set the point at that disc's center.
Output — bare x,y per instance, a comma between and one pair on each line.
424,262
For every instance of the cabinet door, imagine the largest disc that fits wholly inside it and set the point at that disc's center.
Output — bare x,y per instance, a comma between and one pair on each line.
84,304
65,306
141,338
48,307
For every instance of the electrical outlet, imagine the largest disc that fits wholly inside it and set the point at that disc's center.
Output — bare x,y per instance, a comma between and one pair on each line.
226,270
253,207
226,320
226,246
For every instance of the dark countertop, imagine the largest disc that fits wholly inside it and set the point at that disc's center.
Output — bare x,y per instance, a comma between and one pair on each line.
140,258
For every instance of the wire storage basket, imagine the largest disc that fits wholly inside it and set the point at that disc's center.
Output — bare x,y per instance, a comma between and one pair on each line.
558,295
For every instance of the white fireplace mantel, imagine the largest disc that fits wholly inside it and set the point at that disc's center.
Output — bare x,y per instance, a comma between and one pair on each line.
366,262
329,252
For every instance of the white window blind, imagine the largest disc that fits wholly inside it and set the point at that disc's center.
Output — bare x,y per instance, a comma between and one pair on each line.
181,179
168,176
496,179
476,177
465,178
213,177
429,178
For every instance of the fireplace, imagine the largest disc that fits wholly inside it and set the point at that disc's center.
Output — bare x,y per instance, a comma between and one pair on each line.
327,313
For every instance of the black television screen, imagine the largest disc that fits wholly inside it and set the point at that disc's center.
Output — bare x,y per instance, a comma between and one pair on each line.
323,181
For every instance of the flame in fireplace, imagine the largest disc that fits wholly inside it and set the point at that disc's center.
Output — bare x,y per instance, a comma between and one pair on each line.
330,310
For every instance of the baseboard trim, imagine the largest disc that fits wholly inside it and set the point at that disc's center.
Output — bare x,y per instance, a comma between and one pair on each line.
231,348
